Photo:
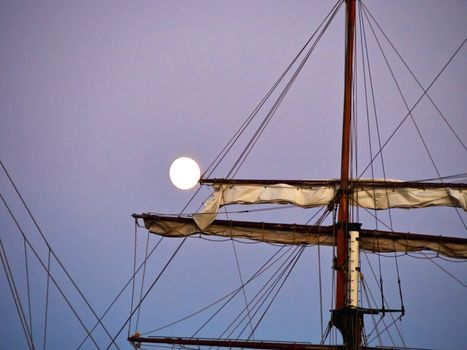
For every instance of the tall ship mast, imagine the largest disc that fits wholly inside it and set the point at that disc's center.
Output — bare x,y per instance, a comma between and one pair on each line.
332,215
346,234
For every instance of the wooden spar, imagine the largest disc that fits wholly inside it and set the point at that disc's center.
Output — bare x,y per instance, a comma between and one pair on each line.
230,343
371,240
343,214
137,340
346,319
353,183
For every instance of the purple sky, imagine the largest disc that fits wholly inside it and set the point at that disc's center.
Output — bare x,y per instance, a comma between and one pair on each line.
98,97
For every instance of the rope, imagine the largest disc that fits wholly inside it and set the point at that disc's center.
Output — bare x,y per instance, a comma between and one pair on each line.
223,305
367,67
231,294
364,287
447,272
248,148
147,292
119,294
50,248
367,12
250,118
411,117
16,298
302,249
45,268
241,282
415,105
261,296
28,287
320,287
134,277
46,302
142,278
240,276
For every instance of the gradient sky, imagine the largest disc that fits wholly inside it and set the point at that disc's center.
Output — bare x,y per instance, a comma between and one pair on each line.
98,97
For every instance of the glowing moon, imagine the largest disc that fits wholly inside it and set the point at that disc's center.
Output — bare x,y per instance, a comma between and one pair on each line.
184,173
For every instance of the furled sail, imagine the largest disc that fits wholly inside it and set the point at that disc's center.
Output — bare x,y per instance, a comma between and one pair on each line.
308,194
370,240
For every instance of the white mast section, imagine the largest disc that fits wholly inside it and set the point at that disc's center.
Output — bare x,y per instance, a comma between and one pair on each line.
353,268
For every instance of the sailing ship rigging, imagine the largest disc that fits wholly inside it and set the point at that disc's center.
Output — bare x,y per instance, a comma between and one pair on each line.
346,234
315,211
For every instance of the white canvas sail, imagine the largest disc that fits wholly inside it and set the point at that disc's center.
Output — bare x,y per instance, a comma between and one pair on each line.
365,195
370,240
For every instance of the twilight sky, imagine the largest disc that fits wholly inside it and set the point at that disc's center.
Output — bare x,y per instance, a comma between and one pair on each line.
99,97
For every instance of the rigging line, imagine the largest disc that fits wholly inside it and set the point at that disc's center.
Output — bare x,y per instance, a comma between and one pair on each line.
120,293
46,303
446,271
407,106
245,153
385,330
372,315
257,274
461,176
16,298
365,45
134,277
245,124
320,289
286,271
254,139
219,240
323,216
314,215
367,12
392,316
263,299
257,296
261,296
377,219
413,120
147,292
143,278
434,257
414,255
397,264
385,303
149,289
189,201
239,272
278,290
382,316
354,124
28,288
243,289
334,238
258,210
404,100
378,133
415,105
49,247
237,291
45,268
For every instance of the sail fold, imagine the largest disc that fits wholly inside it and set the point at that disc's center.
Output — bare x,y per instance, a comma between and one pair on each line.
365,195
370,240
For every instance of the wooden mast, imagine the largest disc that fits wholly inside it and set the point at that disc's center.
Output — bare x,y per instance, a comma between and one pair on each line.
345,319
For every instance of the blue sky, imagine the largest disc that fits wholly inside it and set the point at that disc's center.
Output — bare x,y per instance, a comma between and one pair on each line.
98,98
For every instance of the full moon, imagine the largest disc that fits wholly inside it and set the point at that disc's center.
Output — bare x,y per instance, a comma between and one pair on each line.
184,173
